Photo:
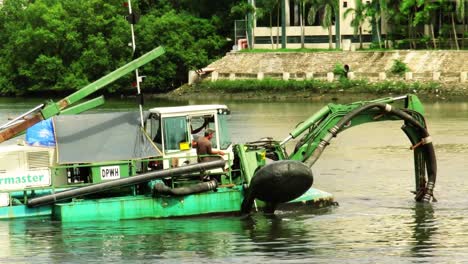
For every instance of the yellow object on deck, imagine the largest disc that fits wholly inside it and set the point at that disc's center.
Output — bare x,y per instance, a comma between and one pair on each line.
184,146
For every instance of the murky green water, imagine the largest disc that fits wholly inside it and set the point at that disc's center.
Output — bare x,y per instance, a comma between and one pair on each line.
369,169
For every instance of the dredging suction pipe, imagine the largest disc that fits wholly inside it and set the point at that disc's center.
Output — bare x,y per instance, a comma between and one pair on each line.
428,148
104,186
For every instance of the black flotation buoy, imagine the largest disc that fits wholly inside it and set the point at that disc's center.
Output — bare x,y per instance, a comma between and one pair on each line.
278,182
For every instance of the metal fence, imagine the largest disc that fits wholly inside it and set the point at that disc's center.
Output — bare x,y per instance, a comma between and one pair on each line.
240,30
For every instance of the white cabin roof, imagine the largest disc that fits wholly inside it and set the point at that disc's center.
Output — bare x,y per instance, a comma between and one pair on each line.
188,109
15,147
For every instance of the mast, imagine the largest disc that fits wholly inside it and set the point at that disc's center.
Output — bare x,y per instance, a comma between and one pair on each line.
132,19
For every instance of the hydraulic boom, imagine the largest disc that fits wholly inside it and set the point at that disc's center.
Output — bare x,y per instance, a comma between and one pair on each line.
318,130
315,135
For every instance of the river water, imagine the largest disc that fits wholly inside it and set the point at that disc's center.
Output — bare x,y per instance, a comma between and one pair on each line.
369,169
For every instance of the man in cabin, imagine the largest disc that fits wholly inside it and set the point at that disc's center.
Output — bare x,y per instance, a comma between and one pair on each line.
204,147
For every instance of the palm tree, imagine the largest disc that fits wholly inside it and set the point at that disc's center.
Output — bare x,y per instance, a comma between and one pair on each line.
460,11
327,8
269,7
301,19
424,15
376,10
302,6
248,11
458,3
327,21
430,7
392,16
410,9
359,17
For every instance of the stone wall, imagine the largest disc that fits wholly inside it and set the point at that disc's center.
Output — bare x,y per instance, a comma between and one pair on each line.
445,66
417,61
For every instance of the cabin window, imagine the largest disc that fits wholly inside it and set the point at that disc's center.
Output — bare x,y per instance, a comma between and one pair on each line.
154,129
175,132
224,136
198,126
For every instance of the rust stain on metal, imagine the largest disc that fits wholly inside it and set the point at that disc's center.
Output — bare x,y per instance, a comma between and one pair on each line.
18,128
63,104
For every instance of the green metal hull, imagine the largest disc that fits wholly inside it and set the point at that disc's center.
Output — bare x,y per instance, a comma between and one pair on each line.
223,201
22,211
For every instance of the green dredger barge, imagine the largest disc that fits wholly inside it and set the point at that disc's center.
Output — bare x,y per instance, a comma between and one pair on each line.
130,165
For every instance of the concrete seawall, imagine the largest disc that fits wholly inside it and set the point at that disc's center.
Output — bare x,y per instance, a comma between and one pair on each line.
439,66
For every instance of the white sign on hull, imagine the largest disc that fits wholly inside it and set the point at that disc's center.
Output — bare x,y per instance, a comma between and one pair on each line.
25,179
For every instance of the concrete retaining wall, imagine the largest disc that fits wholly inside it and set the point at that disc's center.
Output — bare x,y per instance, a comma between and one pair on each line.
442,66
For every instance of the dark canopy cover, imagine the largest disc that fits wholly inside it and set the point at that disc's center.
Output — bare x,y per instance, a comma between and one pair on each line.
101,137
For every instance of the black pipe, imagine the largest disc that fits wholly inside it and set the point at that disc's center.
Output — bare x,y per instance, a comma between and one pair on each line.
104,186
161,188
425,195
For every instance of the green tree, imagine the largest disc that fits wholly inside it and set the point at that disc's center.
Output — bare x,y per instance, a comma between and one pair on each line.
410,9
460,10
359,18
245,10
302,4
326,9
218,12
376,10
426,16
406,18
60,45
190,43
269,6
453,14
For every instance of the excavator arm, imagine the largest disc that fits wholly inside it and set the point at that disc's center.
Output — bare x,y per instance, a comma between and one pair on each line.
317,132
51,108
288,176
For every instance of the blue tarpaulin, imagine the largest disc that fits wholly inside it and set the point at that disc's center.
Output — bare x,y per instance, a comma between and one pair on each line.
41,134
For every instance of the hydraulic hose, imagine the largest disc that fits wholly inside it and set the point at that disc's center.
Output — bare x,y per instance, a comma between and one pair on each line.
425,194
161,188
107,185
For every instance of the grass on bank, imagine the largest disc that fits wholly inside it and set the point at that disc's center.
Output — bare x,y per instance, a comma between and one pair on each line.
308,50
316,86
287,50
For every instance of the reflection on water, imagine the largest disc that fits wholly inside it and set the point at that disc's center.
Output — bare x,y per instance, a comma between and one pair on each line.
425,225
333,235
369,169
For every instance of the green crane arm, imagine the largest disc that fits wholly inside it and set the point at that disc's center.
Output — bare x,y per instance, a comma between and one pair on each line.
317,132
51,108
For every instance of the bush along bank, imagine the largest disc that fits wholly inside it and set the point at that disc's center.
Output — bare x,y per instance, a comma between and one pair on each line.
313,86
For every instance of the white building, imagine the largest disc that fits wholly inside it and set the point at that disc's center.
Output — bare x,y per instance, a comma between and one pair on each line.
314,35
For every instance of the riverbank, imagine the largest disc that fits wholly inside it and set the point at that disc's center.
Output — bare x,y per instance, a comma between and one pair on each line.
363,63
314,90
436,75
